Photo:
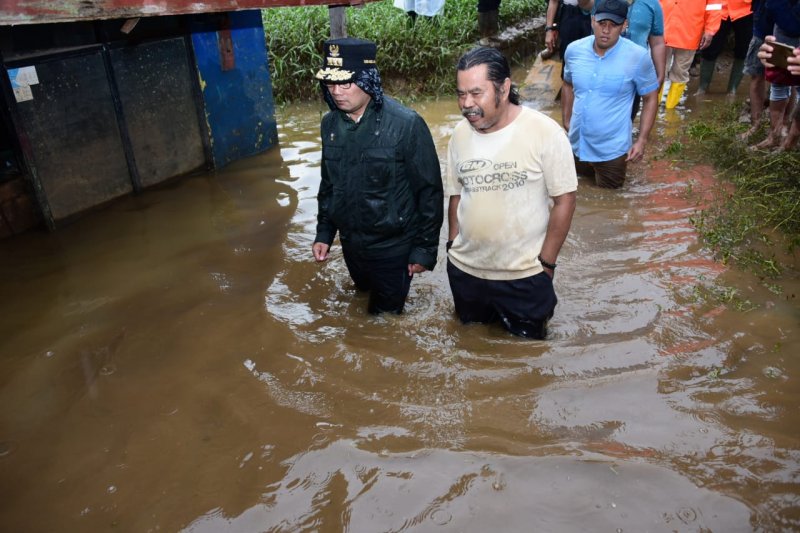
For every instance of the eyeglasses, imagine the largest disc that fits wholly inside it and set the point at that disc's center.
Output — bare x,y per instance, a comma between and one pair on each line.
343,86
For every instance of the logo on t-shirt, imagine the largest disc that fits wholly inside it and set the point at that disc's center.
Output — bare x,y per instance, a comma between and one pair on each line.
472,165
482,175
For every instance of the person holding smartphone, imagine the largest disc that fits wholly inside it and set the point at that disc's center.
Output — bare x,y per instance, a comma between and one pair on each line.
776,54
782,21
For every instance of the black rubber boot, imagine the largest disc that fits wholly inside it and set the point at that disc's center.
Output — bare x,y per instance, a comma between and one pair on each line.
706,73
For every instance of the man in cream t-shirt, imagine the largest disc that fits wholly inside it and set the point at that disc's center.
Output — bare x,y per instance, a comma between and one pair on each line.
507,164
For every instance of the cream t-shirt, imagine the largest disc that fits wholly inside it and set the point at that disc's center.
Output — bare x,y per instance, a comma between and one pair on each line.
505,179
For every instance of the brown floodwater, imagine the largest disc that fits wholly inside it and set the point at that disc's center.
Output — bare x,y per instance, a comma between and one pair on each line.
178,362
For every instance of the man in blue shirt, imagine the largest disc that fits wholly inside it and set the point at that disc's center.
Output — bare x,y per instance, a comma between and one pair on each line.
602,75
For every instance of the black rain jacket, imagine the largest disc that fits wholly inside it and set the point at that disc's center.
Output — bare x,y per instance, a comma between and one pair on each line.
381,186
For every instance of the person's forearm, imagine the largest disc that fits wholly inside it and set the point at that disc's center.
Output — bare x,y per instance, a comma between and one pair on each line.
423,172
558,226
567,99
452,217
428,225
429,214
326,229
648,118
552,9
658,52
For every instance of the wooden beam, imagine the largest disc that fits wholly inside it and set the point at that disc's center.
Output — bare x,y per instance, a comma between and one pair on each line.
13,12
338,21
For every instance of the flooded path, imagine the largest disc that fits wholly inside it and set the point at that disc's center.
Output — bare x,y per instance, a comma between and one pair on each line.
178,362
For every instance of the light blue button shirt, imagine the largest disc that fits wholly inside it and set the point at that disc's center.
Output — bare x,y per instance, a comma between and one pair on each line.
604,86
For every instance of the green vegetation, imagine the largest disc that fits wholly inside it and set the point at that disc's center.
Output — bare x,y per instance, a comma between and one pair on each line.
413,59
755,219
712,293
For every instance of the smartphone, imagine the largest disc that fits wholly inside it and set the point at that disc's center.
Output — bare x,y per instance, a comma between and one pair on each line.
780,53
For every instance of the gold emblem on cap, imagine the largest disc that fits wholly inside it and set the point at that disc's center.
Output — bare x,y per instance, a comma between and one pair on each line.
334,50
334,74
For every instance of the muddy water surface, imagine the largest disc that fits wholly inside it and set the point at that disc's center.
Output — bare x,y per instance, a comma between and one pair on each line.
177,362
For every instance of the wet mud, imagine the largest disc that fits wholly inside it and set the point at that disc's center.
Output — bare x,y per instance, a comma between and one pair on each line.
178,362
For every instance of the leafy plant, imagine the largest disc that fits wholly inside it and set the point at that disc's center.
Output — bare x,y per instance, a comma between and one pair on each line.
414,59
674,148
759,212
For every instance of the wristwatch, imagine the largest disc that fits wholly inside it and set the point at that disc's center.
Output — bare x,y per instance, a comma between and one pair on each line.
554,27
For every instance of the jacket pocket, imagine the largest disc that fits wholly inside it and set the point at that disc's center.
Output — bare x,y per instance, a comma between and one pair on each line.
380,167
384,191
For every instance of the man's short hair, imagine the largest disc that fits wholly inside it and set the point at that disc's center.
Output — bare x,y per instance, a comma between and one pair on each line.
497,68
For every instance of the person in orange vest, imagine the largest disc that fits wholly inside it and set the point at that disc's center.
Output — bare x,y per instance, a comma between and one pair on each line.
736,16
689,25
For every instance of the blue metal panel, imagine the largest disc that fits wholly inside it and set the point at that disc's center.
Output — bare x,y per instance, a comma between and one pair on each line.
238,103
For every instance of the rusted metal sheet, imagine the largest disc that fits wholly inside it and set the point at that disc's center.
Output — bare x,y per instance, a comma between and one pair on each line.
45,11
155,89
75,140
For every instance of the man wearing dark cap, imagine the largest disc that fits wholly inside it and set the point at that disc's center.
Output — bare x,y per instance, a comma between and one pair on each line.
602,74
381,186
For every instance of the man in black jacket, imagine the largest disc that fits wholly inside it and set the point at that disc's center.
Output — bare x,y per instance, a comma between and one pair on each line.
381,186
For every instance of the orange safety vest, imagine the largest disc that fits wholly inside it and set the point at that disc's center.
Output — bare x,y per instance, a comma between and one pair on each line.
685,21
736,9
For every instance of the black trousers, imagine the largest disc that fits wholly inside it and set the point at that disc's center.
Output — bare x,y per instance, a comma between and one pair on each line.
742,33
573,24
485,6
386,279
523,306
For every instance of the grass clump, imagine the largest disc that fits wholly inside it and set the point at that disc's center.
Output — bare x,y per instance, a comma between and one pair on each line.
759,213
294,40
414,59
716,294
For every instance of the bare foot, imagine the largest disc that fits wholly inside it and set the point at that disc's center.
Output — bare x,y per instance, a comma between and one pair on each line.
766,144
749,133
788,143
